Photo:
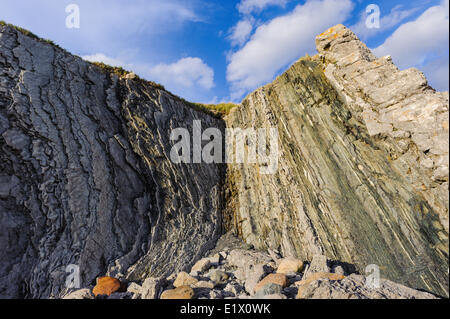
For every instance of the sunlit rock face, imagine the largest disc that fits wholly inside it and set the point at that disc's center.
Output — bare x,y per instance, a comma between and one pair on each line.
86,176
87,179
363,165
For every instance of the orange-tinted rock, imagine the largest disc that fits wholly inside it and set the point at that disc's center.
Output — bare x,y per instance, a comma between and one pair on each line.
106,286
183,292
303,284
277,279
318,276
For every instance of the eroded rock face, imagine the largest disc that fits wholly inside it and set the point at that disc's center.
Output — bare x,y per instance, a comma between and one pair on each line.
363,165
86,178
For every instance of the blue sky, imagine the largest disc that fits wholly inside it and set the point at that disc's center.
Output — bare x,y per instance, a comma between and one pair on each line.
218,51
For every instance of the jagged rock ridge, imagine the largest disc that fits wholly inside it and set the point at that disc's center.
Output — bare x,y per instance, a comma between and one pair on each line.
86,177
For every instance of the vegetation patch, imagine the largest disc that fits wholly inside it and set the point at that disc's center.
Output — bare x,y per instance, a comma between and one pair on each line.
221,108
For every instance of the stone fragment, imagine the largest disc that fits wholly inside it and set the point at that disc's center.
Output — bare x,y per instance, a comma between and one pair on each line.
134,288
319,263
201,265
184,279
121,295
80,294
268,289
290,264
151,287
253,275
319,276
274,296
278,279
234,288
106,286
219,277
203,284
182,292
214,260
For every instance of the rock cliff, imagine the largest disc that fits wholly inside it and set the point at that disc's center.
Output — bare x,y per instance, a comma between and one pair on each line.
86,176
363,165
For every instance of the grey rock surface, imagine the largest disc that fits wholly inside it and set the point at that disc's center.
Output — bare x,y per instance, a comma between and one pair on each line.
152,287
86,178
354,286
362,168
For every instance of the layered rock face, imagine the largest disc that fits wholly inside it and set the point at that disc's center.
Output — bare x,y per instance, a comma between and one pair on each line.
86,178
363,165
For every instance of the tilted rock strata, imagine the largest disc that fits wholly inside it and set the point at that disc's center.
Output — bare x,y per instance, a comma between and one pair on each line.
410,119
340,189
86,178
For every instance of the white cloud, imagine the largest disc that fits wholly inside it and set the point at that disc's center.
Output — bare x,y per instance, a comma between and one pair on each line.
280,41
396,16
104,25
241,32
418,43
185,73
249,6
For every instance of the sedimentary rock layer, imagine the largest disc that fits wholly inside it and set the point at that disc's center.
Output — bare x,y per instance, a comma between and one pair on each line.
85,174
363,165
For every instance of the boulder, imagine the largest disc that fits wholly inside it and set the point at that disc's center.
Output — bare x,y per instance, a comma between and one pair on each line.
182,292
80,294
151,287
290,264
278,279
268,289
218,277
201,265
106,286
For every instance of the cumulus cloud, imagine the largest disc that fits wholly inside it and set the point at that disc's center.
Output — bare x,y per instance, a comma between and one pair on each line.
240,33
394,18
104,25
249,6
280,41
420,42
185,73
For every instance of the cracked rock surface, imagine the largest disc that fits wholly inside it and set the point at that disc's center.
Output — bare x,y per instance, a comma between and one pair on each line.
86,178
